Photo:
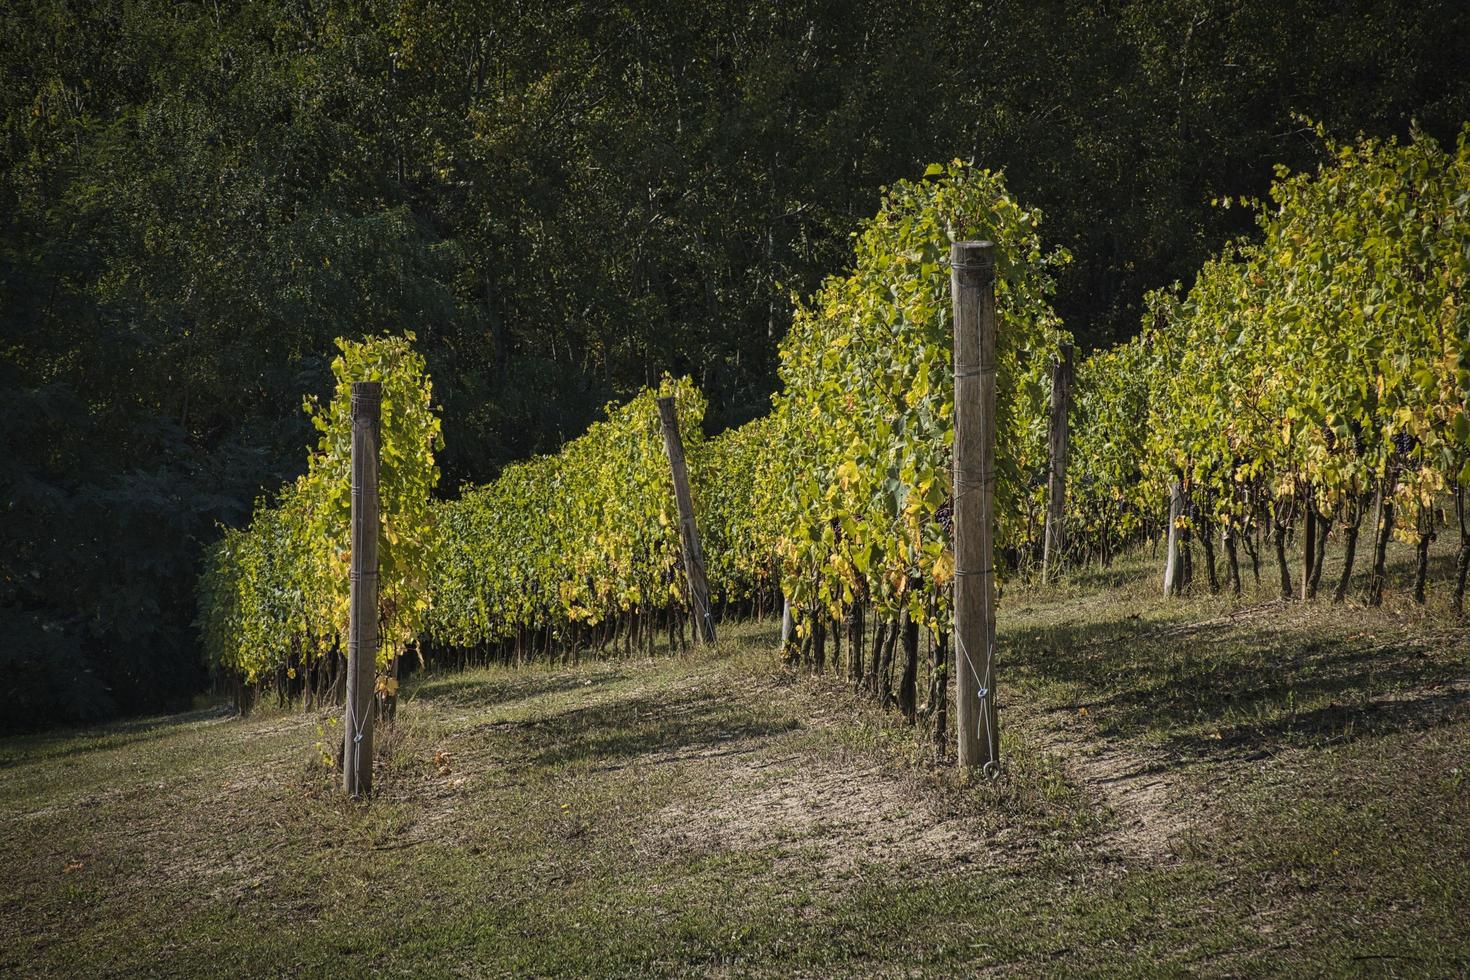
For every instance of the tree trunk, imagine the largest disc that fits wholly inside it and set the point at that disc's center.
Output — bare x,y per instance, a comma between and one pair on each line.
1462,568
244,697
388,699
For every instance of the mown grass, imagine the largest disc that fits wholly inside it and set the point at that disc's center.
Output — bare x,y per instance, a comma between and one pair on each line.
1310,814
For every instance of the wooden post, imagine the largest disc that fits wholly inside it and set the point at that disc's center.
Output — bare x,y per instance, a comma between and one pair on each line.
788,628
972,282
362,624
1055,537
1173,566
1309,544
668,416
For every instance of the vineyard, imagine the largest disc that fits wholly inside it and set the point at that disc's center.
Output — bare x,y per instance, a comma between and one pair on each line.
572,489
1309,387
1312,380
970,652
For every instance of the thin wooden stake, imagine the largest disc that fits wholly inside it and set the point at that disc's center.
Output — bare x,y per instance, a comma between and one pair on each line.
362,627
1309,545
1055,538
973,285
668,415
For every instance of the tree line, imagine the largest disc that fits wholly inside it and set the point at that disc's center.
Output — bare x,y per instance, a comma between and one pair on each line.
563,201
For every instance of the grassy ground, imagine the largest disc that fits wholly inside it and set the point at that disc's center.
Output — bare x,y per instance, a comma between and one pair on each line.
1194,786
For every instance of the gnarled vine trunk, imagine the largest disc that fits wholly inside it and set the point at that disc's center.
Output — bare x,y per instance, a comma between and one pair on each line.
1384,528
1232,558
1324,527
908,694
871,683
1349,546
855,642
938,706
1278,538
1426,538
1207,542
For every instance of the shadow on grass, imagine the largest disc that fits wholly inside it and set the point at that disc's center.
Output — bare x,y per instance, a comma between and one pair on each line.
1250,684
508,687
1335,721
640,727
72,742
1094,579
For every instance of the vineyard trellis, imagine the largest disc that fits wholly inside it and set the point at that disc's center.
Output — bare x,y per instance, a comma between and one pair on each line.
1306,383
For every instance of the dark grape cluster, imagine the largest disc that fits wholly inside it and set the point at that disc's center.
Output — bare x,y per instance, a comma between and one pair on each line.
944,516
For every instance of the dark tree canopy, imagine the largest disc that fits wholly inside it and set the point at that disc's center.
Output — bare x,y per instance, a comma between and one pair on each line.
563,200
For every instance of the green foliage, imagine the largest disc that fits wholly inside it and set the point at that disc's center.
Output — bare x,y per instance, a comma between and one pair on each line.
195,199
409,439
866,416
1105,465
735,480
575,538
275,594
1332,357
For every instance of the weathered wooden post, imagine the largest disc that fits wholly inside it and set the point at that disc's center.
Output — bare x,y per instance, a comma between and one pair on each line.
1173,566
788,628
668,415
1309,546
972,281
362,623
1055,537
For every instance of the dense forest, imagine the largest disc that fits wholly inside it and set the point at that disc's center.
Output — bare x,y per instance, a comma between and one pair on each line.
563,202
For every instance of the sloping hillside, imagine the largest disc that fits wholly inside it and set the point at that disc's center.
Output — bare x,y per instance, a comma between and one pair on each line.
1191,786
